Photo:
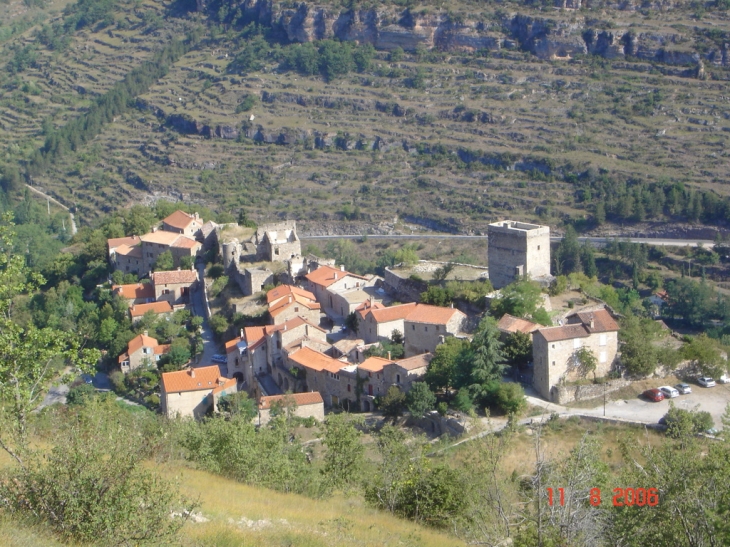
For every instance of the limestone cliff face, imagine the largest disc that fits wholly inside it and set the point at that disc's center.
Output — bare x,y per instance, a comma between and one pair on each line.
546,38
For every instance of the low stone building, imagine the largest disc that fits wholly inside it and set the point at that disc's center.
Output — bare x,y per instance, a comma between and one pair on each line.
331,286
404,372
305,405
428,326
137,293
376,322
142,351
277,242
509,324
335,380
137,311
295,306
184,223
174,286
379,374
156,243
556,350
255,279
127,258
193,392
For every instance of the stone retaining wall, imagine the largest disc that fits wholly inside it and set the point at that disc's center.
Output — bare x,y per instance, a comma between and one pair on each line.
568,393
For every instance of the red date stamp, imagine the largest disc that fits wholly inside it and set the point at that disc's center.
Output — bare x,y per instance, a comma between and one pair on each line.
622,497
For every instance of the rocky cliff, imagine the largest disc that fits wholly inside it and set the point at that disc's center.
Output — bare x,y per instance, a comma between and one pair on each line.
547,38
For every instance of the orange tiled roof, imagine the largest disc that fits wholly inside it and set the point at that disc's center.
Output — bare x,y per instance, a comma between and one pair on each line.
179,219
284,303
161,237
162,349
123,357
135,291
602,320
138,310
231,344
184,242
301,399
510,323
566,332
254,334
316,361
175,276
368,305
191,379
415,362
131,241
393,313
140,341
327,275
284,290
291,324
436,315
126,250
373,364
226,384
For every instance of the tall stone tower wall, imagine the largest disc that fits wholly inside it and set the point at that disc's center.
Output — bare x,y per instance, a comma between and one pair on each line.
516,249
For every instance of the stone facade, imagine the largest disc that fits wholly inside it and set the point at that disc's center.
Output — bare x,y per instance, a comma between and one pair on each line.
564,394
377,322
517,249
426,329
184,223
306,405
193,392
554,350
142,351
254,280
277,242
330,286
175,286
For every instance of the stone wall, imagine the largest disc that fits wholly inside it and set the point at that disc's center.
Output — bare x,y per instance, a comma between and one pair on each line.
438,425
516,249
564,394
403,289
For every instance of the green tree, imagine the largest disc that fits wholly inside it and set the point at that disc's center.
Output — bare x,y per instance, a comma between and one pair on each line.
518,349
442,369
344,457
392,403
485,362
352,322
186,262
420,399
238,404
567,256
510,398
704,354
586,361
520,299
80,394
164,262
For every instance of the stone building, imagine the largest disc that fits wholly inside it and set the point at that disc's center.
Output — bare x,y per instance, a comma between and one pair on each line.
404,372
555,349
255,279
156,243
334,379
277,242
136,293
142,350
338,291
175,286
376,322
287,302
378,374
137,311
509,324
306,405
518,249
426,326
192,392
184,223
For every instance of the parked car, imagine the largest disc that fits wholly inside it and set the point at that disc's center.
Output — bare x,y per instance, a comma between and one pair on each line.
706,381
87,378
654,395
724,379
683,388
669,392
218,358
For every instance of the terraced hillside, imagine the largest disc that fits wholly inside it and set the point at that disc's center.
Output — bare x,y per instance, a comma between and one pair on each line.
451,139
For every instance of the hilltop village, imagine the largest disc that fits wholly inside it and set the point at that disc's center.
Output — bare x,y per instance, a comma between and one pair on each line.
324,341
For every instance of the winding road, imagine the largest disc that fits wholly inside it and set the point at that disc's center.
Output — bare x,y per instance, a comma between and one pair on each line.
61,205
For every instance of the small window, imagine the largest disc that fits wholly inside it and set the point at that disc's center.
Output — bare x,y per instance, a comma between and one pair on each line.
553,363
437,328
413,327
296,308
538,247
602,340
425,329
348,387
553,346
397,378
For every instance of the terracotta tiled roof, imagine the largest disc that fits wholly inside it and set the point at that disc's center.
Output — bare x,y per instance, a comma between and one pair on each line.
162,237
291,324
373,364
602,321
433,315
224,384
285,290
179,219
327,275
254,334
511,324
184,242
311,359
191,379
368,305
123,357
415,362
117,241
162,349
138,310
131,252
392,313
566,332
136,291
175,276
284,303
231,344
140,341
301,399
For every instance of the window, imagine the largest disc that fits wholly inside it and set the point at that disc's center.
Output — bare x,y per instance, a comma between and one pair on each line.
553,363
538,247
425,329
336,377
348,387
397,378
278,344
602,358
553,346
276,251
296,308
437,328
413,327
602,340
146,351
165,291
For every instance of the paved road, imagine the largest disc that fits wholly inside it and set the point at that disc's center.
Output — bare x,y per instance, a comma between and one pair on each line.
56,394
598,241
61,205
199,308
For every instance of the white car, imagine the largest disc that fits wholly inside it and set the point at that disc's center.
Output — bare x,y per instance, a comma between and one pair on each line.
683,388
706,381
724,379
669,392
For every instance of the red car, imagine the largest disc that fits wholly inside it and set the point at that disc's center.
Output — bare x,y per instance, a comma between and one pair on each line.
653,395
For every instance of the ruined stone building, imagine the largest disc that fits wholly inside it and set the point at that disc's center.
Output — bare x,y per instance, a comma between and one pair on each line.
518,249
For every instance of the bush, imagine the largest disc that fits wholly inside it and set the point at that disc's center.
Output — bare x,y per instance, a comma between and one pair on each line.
80,394
463,402
510,398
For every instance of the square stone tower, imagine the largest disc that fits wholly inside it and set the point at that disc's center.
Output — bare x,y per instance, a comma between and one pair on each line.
516,249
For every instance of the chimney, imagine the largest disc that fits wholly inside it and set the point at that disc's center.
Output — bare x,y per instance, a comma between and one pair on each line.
592,324
285,327
146,333
388,356
335,276
289,299
191,371
178,268
240,334
221,380
342,267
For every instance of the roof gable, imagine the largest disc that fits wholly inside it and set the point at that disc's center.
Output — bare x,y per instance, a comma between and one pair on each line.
417,361
314,360
138,310
141,341
511,324
327,275
285,290
433,315
373,364
195,379
392,313
179,219
300,399
173,277
134,291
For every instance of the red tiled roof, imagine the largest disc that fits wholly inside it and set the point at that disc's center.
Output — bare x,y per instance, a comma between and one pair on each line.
327,275
184,242
123,357
173,277
179,219
140,341
373,364
284,303
162,349
231,344
309,358
602,320
368,305
138,310
131,241
284,290
415,362
254,334
227,383
510,323
126,250
291,324
191,379
301,399
134,292
435,315
161,237
392,313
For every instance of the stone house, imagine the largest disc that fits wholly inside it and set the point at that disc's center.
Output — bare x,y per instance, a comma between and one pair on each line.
307,405
426,326
137,311
193,392
293,306
246,355
379,374
128,258
184,223
517,249
509,324
277,242
253,280
142,350
137,293
283,292
371,370
377,322
333,289
174,286
554,349
335,380
352,349
156,243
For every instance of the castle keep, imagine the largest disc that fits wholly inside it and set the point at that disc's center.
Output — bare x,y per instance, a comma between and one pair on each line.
518,249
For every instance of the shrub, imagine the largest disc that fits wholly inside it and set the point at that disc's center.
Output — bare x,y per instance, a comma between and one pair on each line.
80,394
